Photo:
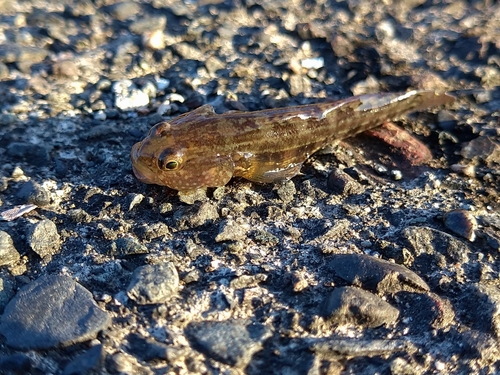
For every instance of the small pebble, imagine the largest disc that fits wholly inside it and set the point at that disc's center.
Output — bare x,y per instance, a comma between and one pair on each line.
396,174
287,191
340,182
153,284
8,253
447,120
33,193
230,230
466,170
128,96
313,63
461,222
44,239
350,305
127,246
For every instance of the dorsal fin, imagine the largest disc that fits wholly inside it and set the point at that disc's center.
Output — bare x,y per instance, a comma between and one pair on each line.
205,110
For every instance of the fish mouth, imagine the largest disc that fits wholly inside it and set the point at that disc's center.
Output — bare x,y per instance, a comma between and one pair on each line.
139,169
140,176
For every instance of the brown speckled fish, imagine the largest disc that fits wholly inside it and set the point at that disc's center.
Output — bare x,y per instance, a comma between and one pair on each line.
203,149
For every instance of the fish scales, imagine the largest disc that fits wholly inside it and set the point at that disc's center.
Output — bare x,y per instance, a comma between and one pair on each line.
203,149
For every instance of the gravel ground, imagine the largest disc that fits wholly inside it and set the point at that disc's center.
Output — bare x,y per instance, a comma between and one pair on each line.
365,263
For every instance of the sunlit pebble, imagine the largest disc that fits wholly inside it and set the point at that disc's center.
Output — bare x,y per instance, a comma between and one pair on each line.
174,97
154,40
461,222
167,108
380,169
440,366
100,115
466,170
162,83
396,174
313,63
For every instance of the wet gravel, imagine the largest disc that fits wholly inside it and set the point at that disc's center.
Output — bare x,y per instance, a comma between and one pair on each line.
381,257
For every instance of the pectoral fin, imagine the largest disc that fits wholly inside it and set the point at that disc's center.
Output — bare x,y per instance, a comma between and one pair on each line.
272,173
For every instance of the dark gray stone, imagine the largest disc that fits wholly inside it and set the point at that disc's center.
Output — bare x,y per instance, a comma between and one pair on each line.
151,231
148,349
128,246
32,193
89,363
44,239
37,155
230,342
350,305
153,283
425,310
424,240
8,253
265,237
447,120
17,363
376,274
484,148
230,230
481,303
79,216
196,215
340,182
6,291
50,312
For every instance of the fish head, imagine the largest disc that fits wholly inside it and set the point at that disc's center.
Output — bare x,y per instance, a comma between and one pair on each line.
171,156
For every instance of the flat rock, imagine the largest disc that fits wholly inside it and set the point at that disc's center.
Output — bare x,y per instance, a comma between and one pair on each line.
37,155
230,342
350,305
6,291
50,312
424,240
16,363
376,274
484,148
481,302
89,362
152,284
147,349
360,348
425,310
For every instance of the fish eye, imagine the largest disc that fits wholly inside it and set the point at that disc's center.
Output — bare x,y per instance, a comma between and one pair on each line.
171,165
166,162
